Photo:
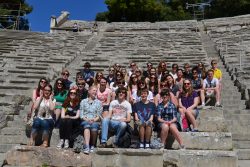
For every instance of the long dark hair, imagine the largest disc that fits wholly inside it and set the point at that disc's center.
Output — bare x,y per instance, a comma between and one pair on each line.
39,86
154,84
187,91
131,81
75,101
57,91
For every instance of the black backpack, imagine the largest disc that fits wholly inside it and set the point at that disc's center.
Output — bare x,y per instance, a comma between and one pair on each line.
125,140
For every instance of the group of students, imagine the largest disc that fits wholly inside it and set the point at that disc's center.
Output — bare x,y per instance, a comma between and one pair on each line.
155,99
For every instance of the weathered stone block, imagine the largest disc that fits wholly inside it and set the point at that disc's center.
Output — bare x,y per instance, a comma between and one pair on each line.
206,141
38,156
199,158
127,157
212,124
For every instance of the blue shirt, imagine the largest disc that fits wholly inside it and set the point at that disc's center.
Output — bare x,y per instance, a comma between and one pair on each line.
168,113
90,109
144,111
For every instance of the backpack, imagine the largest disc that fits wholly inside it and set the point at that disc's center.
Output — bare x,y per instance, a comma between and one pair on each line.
77,140
125,140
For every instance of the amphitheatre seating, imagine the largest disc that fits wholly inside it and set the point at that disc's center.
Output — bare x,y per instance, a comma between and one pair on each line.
231,38
121,43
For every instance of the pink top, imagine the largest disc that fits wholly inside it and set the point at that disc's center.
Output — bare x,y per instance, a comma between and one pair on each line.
103,96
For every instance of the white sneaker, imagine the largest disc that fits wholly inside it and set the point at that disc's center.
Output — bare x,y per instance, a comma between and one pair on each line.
147,146
66,143
60,144
141,146
91,149
86,150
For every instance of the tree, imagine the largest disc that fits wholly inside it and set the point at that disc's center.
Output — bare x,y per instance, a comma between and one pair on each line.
12,14
228,8
144,10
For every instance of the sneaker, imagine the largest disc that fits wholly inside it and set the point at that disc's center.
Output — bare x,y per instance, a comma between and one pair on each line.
60,144
141,146
218,105
182,147
103,145
66,143
195,130
86,150
147,146
91,149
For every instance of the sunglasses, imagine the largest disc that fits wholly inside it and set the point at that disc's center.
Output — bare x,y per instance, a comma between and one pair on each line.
43,82
132,65
46,90
72,93
81,84
186,83
214,63
149,65
123,92
59,83
67,74
194,72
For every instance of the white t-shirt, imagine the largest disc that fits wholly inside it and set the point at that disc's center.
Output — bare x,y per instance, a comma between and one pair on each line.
137,98
120,110
210,84
113,89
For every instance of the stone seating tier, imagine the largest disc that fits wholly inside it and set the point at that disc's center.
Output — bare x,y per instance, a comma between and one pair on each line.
122,43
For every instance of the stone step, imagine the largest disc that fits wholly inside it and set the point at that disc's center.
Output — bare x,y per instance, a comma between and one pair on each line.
2,158
206,141
243,163
241,144
228,111
241,136
19,123
243,154
12,131
13,139
6,147
229,101
212,124
238,117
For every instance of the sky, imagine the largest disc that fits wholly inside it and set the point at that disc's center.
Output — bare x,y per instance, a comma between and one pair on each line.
39,18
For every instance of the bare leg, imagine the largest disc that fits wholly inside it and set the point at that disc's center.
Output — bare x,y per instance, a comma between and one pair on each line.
86,135
176,133
202,95
191,118
32,139
164,133
148,133
142,133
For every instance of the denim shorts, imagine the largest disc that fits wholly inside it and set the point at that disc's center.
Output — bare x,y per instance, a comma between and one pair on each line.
92,126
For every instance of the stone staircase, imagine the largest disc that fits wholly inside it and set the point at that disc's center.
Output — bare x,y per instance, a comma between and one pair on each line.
175,42
235,112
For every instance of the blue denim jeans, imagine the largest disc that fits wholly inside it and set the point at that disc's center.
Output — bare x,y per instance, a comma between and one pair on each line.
92,126
44,125
118,127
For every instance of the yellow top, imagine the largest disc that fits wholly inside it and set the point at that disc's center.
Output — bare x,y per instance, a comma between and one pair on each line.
217,73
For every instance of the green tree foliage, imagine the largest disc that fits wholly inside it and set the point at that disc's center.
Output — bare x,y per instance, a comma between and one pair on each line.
143,10
9,12
167,10
227,8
